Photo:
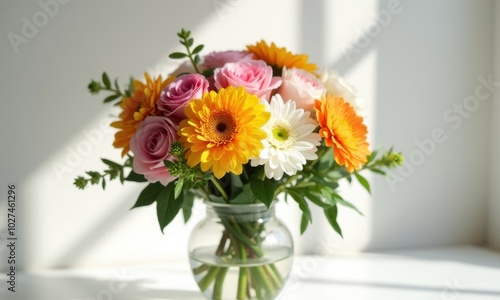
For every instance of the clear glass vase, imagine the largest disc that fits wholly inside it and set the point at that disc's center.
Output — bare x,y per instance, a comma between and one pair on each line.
240,251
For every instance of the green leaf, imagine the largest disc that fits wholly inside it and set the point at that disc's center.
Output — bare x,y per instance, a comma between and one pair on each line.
148,195
342,202
378,171
103,183
198,49
111,164
331,215
197,59
328,194
111,98
263,190
117,86
304,207
304,222
94,177
363,181
177,55
244,197
167,206
133,176
371,156
122,178
105,80
187,205
316,198
178,187
189,42
130,87
208,72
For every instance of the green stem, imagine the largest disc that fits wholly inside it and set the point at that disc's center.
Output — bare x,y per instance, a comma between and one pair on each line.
200,269
207,280
262,279
277,273
242,284
242,280
273,276
236,232
219,283
219,188
222,244
190,55
282,186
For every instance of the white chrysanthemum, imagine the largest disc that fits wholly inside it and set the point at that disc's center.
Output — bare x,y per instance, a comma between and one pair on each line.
290,139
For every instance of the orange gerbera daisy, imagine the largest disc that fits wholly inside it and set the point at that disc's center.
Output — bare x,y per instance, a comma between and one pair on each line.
343,130
136,108
222,131
280,57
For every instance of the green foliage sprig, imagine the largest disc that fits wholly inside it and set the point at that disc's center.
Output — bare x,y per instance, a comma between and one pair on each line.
114,171
116,93
187,41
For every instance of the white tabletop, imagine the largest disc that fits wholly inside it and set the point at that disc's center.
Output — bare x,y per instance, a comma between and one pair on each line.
460,273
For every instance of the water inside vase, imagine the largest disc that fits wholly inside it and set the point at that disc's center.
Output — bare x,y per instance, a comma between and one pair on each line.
220,277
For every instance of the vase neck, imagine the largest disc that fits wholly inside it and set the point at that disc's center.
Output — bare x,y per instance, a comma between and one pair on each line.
242,212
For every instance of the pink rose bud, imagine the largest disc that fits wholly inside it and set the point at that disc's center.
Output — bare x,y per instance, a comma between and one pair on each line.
300,86
174,97
254,75
151,145
219,59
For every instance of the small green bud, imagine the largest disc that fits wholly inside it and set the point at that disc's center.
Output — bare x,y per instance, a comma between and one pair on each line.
94,87
80,182
177,150
395,159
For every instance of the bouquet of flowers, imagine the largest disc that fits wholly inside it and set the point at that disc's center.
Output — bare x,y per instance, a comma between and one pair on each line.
239,127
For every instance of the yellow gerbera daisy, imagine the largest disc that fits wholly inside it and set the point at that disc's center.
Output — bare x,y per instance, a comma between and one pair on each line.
136,108
222,131
280,57
343,130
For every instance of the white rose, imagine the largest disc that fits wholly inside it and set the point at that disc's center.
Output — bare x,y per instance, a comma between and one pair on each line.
337,87
302,87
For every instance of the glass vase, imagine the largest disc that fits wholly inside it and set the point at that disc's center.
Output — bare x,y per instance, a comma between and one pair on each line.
240,251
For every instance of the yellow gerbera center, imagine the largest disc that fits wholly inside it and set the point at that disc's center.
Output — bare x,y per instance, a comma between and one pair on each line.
220,128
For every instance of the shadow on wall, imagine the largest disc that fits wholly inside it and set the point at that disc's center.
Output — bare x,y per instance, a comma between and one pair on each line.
55,47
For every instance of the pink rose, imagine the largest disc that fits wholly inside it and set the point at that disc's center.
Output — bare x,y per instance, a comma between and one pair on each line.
219,59
151,145
301,87
254,75
174,97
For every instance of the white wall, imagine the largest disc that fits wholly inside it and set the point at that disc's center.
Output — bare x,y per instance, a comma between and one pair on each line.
425,59
431,58
494,196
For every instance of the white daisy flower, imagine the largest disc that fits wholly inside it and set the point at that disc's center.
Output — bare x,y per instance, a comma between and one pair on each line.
290,139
